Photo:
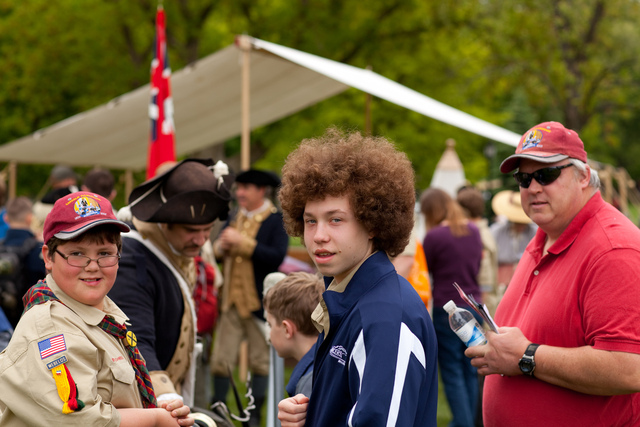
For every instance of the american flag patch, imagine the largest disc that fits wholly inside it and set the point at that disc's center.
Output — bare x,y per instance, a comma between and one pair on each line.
52,346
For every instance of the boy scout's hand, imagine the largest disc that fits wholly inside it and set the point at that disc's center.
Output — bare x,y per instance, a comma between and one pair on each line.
179,411
292,412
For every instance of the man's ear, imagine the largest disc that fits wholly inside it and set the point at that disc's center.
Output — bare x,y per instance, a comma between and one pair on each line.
290,328
585,177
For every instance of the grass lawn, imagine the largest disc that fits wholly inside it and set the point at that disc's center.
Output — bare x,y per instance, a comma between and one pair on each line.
444,413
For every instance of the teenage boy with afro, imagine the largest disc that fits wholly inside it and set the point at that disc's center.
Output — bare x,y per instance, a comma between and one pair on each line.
351,198
72,361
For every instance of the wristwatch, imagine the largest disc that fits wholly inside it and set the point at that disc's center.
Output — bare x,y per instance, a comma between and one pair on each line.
528,363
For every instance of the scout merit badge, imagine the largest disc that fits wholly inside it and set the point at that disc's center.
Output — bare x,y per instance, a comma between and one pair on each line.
41,293
67,389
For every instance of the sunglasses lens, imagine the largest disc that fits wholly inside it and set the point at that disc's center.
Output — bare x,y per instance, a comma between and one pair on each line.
547,175
544,176
523,179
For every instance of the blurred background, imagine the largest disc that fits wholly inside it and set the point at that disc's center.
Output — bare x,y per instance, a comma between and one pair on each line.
512,63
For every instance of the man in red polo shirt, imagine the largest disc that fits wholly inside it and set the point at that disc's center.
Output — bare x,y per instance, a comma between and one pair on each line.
568,351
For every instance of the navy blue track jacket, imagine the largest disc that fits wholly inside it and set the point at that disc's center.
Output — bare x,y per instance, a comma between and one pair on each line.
378,365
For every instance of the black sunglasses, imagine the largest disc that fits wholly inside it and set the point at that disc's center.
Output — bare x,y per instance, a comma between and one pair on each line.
544,176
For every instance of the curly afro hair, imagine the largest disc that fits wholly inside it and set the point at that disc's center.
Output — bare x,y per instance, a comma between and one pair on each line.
377,178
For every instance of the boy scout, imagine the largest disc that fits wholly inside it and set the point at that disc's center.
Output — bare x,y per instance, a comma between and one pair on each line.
71,360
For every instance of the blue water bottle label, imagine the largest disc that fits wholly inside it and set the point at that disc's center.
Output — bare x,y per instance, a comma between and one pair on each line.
471,335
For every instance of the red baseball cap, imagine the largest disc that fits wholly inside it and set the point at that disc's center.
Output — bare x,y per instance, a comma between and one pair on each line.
78,212
548,142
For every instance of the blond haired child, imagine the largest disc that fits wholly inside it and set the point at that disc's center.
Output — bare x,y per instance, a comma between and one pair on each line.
288,306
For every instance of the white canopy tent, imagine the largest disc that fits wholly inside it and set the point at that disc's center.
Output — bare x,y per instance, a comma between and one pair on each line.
207,104
449,174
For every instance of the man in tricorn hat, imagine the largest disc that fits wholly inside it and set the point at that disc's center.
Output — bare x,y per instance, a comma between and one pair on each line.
173,214
253,245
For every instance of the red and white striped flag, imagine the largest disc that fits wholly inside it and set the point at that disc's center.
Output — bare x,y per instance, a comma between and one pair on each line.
162,139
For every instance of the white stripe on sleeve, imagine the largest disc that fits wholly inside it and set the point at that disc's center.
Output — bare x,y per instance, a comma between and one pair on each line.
409,344
359,358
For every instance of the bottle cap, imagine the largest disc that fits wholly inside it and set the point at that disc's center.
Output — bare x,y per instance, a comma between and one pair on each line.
450,307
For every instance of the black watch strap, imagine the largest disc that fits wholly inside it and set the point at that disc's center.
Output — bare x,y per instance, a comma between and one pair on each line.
527,363
531,349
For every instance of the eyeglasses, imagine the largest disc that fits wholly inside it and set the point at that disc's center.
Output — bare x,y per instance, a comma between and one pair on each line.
544,176
83,261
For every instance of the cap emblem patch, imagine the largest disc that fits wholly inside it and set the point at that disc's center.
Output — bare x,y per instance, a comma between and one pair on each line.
86,206
533,139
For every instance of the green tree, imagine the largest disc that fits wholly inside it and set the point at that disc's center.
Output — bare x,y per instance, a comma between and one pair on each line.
510,63
575,59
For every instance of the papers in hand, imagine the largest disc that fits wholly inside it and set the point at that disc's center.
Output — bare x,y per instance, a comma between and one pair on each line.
481,309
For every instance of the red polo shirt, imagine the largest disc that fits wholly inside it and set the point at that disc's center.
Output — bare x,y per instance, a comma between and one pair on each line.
585,291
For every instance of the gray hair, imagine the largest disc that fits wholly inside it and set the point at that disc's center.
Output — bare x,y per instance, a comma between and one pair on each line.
594,181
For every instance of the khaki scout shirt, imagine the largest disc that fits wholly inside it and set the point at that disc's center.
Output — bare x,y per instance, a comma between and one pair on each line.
97,361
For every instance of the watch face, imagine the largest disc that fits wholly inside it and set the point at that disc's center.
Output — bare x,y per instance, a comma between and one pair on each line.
526,366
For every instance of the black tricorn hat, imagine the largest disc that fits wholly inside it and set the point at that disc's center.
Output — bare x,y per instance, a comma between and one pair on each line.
259,178
188,193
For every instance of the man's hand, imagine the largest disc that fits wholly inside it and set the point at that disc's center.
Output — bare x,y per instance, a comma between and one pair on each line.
229,238
501,354
292,412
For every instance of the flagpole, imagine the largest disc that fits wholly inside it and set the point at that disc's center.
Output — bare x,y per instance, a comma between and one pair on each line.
244,44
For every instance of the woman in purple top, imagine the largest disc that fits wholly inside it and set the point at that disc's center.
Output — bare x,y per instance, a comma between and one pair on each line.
453,249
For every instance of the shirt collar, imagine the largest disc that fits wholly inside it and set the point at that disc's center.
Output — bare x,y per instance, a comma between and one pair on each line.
569,235
572,231
265,206
320,315
90,315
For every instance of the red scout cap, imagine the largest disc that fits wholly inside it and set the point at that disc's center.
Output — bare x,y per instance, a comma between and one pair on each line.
548,142
78,212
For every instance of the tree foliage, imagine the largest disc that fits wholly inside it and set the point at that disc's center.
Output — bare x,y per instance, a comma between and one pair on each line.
511,63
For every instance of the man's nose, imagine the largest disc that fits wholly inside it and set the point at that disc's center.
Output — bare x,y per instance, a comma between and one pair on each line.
534,186
200,238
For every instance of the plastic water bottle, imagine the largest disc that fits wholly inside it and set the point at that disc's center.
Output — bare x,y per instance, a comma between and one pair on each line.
465,325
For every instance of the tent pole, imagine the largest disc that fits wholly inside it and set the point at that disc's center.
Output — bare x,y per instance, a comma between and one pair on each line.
13,178
128,184
244,43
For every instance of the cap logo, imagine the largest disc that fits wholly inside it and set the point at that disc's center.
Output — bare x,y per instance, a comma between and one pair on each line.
533,139
85,206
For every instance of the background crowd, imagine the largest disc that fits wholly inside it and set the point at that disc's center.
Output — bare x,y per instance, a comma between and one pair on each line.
201,242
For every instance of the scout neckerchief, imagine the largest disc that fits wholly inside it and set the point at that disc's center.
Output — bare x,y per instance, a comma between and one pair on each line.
41,293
